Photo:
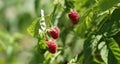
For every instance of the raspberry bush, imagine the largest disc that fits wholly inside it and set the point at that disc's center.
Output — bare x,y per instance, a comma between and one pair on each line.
60,32
94,30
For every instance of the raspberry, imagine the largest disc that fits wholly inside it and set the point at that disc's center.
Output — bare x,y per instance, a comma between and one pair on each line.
51,46
54,32
74,17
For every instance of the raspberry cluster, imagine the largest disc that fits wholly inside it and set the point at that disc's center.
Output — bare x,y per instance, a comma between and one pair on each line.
54,33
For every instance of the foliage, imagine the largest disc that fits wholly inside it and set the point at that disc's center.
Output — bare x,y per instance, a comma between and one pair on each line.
98,26
95,39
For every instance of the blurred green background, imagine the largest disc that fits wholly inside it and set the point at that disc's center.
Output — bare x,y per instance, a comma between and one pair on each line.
15,17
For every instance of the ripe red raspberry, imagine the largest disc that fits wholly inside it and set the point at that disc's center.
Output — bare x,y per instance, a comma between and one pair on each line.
74,17
52,46
54,32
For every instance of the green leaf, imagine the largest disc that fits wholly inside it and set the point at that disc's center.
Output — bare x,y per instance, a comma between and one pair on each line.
114,52
69,5
103,51
87,51
109,24
81,28
108,27
117,38
103,26
106,4
33,29
90,47
116,15
115,27
42,44
88,3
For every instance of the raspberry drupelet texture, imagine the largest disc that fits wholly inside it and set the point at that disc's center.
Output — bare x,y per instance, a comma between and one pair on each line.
52,46
54,32
74,17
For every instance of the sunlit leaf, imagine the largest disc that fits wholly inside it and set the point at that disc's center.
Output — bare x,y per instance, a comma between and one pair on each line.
103,51
33,30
